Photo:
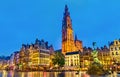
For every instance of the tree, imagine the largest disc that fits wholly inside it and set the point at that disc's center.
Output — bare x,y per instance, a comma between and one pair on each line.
58,59
96,69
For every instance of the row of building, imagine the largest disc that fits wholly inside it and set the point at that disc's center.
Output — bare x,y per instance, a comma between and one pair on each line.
39,55
109,57
35,56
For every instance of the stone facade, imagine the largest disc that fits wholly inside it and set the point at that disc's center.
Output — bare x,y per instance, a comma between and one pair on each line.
36,55
68,42
72,60
115,50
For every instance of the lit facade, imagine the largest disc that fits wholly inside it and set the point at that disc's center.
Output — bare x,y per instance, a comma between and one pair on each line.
103,55
78,44
36,55
82,60
68,42
86,58
12,61
40,58
72,60
16,60
4,62
22,57
115,50
35,59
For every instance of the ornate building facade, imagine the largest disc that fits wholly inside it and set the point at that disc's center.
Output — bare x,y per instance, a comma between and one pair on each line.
115,50
68,42
35,56
103,55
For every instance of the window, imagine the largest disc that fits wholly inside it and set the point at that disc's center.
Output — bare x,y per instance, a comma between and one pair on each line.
119,48
116,42
116,53
115,48
111,49
86,54
107,55
112,53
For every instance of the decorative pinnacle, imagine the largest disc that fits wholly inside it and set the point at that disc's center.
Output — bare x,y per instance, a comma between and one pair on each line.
66,7
66,11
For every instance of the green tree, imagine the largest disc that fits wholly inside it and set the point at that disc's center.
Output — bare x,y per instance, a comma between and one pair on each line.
58,59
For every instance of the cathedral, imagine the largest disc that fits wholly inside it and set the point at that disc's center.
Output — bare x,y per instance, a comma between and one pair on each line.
69,43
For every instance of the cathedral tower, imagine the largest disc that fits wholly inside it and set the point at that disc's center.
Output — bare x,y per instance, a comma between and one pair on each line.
68,44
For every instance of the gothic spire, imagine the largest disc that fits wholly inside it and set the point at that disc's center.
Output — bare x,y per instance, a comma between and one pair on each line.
66,11
67,22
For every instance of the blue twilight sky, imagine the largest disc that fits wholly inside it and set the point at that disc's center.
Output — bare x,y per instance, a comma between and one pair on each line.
22,21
